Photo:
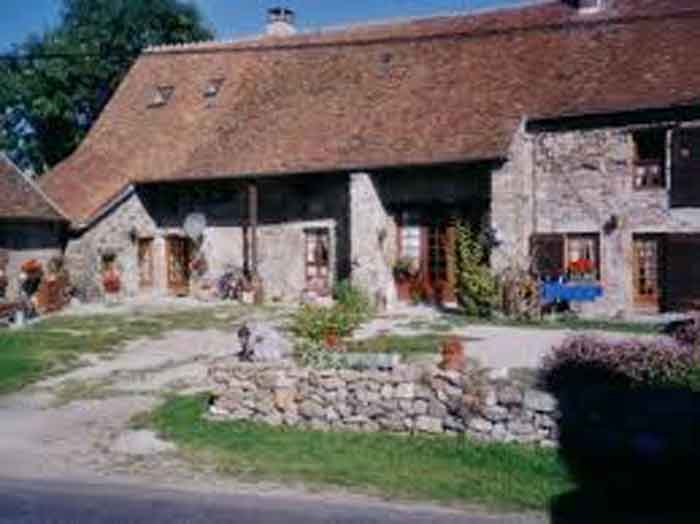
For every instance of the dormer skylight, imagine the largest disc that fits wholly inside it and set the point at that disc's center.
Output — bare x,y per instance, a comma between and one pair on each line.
590,6
213,87
161,95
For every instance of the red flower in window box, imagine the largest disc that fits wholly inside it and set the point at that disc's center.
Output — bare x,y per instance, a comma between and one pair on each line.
583,267
111,281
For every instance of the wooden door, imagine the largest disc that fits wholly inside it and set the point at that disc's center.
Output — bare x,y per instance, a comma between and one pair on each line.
440,271
318,260
647,271
145,256
432,245
682,272
178,255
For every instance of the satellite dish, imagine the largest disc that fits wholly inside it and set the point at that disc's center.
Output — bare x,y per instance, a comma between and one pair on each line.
195,224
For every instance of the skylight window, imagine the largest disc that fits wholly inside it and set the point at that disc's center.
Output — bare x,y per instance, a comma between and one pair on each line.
590,6
161,95
213,87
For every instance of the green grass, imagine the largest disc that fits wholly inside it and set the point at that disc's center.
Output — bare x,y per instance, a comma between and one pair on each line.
561,322
405,345
419,468
57,343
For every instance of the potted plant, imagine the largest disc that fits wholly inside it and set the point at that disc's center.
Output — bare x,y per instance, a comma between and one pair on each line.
406,271
405,268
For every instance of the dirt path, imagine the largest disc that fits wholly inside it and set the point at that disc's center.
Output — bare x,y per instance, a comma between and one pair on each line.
72,424
74,428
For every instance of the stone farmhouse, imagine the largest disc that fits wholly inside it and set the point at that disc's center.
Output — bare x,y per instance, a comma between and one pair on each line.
31,226
570,128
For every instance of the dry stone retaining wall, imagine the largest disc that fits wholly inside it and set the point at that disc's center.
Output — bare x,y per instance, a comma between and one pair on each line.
406,401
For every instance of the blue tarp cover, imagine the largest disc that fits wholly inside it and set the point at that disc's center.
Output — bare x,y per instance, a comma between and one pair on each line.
570,292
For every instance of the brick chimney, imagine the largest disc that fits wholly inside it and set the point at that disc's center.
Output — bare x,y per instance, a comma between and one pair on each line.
280,21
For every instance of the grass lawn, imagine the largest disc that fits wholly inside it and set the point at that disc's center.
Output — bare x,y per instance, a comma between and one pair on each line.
405,345
56,343
439,469
453,320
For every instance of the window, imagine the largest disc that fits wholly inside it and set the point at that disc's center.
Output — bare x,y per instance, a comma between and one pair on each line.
685,173
317,260
213,87
650,159
588,6
582,256
647,270
574,256
410,237
161,95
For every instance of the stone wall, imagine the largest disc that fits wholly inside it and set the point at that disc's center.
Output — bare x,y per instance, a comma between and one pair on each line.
112,235
410,399
512,204
287,207
24,241
373,240
573,181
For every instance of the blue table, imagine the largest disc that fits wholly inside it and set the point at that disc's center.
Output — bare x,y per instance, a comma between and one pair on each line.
551,292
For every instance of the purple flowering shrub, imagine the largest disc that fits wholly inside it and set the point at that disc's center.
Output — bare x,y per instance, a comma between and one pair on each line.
586,360
688,331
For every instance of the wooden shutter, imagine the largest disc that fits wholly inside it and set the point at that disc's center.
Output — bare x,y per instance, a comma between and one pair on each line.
685,177
682,272
547,252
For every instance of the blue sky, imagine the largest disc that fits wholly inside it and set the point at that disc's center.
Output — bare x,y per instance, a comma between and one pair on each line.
230,18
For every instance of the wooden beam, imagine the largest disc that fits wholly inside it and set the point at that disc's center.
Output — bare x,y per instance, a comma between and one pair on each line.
253,221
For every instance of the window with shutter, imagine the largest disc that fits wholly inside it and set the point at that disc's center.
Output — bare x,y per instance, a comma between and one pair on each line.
547,252
572,255
685,173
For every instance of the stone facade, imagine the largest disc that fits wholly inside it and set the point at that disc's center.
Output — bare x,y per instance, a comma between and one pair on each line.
111,235
358,210
287,208
22,241
373,240
574,181
408,400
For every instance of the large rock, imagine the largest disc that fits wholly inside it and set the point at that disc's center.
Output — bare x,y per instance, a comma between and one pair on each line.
480,425
539,401
509,395
311,410
269,345
428,424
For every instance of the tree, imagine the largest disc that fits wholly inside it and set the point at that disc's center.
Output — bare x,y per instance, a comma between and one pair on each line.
53,87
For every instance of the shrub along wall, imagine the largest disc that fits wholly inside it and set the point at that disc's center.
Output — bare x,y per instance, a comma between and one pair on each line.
407,400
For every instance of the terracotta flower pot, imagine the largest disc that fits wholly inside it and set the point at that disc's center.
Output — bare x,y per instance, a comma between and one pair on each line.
453,356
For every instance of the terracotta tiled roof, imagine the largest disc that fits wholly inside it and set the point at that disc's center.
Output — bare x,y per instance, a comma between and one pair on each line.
22,199
432,90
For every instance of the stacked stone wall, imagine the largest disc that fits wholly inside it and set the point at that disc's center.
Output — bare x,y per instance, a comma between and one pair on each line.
409,400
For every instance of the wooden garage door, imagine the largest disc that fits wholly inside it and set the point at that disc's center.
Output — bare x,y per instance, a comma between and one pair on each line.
682,272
